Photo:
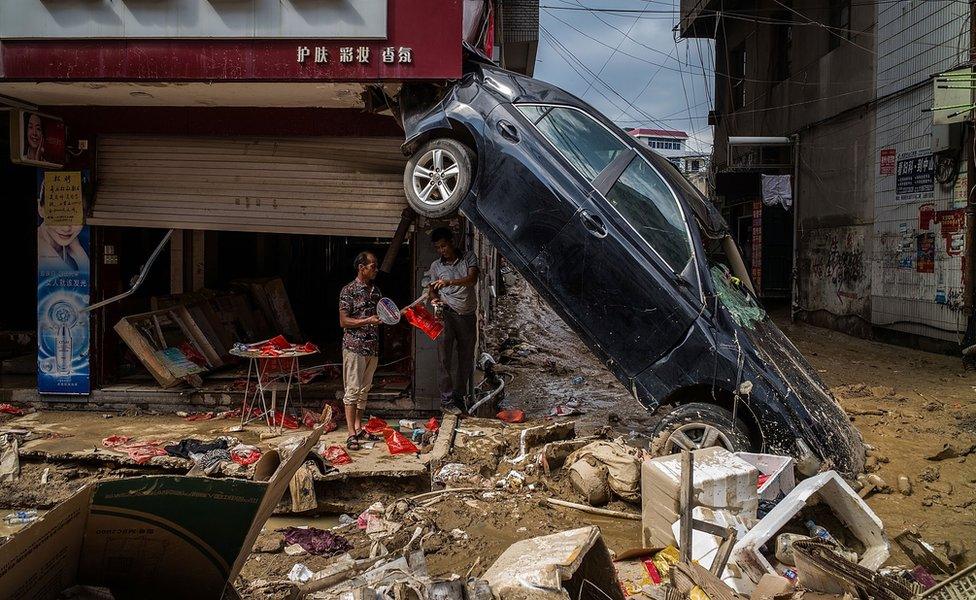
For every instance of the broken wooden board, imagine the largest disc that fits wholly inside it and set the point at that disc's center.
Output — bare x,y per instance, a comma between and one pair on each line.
271,298
164,340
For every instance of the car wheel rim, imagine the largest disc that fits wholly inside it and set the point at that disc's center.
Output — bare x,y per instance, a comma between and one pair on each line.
436,177
695,436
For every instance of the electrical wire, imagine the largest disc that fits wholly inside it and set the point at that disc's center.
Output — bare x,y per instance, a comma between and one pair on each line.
605,84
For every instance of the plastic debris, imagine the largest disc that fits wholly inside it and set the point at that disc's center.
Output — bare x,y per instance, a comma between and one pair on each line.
514,415
300,573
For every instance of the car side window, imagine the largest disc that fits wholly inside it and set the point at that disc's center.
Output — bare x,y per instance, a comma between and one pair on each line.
646,202
579,138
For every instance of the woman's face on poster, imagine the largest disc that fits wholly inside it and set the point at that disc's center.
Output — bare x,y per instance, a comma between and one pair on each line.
61,235
35,133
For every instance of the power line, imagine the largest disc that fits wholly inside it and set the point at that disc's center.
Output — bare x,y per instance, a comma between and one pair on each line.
605,84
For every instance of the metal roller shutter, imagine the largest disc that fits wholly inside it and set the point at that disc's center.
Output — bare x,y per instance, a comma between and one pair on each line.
315,185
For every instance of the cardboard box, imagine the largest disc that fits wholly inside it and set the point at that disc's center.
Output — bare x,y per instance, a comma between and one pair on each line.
149,537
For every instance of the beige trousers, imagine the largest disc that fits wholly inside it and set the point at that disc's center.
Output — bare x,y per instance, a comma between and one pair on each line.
357,377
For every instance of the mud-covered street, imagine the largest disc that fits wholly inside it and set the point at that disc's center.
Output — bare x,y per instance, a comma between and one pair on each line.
914,410
907,404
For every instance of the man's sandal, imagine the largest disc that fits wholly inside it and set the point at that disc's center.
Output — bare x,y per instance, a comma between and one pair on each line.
352,443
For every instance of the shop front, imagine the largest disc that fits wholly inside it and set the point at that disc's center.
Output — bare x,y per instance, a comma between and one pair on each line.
225,186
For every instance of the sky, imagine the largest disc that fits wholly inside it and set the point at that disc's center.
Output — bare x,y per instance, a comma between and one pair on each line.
648,78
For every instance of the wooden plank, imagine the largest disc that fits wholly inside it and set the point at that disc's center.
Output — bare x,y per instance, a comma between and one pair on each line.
145,353
687,504
196,336
198,249
176,262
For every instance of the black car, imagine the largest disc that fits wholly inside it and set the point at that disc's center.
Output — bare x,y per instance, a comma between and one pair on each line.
629,254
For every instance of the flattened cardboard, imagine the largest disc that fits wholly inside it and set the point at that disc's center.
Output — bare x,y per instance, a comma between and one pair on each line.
147,537
42,560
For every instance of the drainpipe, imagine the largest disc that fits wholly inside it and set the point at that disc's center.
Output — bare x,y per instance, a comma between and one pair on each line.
794,280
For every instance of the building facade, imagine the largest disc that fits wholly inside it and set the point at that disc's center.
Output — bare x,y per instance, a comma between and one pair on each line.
673,145
838,89
260,135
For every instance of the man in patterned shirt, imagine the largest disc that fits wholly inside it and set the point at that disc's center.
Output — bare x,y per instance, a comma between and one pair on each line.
360,342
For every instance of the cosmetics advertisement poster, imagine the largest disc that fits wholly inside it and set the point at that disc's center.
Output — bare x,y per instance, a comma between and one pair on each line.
63,279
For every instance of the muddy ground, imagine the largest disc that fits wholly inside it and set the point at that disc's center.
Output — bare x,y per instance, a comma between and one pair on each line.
907,404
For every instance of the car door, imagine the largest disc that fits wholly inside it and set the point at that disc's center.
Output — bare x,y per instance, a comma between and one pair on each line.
528,192
622,265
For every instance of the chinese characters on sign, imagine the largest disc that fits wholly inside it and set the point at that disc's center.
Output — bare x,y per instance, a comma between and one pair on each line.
915,176
887,161
63,205
362,55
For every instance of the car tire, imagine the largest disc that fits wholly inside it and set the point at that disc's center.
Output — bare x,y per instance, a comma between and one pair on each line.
688,424
429,191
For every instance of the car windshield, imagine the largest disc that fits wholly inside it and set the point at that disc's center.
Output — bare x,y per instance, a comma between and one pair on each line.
584,142
646,202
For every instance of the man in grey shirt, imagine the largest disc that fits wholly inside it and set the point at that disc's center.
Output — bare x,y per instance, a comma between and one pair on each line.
452,278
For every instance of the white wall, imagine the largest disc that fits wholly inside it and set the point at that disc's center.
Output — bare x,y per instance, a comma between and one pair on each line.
915,41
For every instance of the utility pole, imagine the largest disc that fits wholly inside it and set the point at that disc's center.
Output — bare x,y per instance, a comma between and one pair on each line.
969,150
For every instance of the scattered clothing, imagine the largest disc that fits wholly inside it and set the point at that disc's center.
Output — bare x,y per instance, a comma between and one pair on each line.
10,409
317,541
211,460
140,452
193,446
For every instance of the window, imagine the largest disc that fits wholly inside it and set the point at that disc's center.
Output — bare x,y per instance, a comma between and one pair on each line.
645,201
840,20
783,44
737,77
581,140
696,165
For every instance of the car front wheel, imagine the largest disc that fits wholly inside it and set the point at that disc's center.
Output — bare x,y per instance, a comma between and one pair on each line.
699,425
437,177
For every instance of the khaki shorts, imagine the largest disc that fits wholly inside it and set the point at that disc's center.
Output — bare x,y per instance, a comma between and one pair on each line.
357,377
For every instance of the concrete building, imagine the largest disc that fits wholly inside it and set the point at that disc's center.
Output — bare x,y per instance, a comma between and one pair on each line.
260,135
842,86
673,145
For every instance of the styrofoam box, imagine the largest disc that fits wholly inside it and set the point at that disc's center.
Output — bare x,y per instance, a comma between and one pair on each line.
779,470
826,488
722,481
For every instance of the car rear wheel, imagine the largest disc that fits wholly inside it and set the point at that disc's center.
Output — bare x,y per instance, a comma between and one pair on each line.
437,177
699,425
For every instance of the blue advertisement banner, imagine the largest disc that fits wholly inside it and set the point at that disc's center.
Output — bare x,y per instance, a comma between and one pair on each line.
63,284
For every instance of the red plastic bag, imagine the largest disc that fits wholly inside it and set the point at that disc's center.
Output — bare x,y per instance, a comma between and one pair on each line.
512,416
114,441
376,426
282,420
10,409
243,454
432,425
336,455
398,443
422,319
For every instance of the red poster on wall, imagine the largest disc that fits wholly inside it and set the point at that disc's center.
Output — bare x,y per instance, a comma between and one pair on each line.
887,161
